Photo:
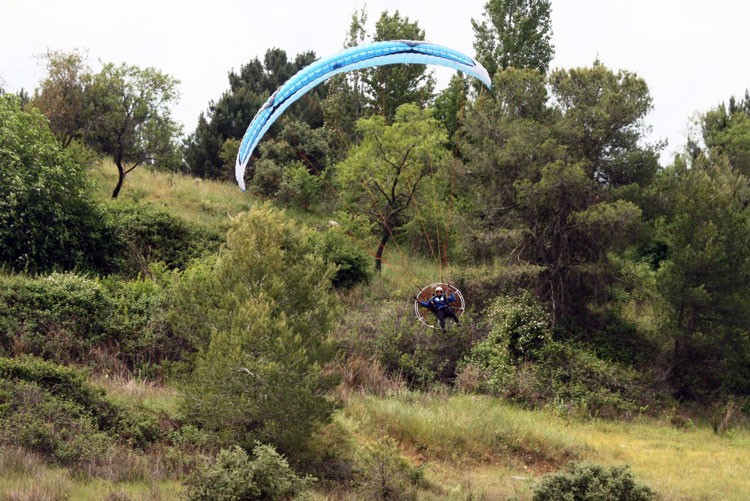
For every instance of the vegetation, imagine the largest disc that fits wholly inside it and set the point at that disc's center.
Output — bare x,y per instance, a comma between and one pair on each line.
187,340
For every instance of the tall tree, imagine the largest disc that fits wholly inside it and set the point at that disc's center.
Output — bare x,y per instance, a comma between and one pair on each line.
384,173
61,95
514,33
229,117
705,278
388,87
128,116
726,132
556,177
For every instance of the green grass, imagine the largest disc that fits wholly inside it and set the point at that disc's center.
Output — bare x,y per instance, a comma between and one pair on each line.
486,448
198,201
25,476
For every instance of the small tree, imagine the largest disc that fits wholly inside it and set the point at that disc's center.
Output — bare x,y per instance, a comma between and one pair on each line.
128,116
384,173
61,96
259,315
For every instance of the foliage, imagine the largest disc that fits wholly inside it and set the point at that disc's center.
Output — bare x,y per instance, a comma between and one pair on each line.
704,279
65,318
228,117
590,482
515,34
55,411
726,132
389,87
235,476
353,265
61,96
520,325
128,116
48,220
259,314
387,333
148,235
382,175
555,178
381,472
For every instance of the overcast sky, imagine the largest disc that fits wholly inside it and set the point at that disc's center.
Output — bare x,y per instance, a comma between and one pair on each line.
692,54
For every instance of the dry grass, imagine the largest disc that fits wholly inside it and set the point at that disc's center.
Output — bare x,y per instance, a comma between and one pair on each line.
483,448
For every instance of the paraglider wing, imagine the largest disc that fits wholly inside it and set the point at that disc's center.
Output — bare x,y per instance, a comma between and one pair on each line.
355,58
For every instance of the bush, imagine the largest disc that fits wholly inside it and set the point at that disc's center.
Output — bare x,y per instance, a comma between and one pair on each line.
386,332
65,318
259,314
592,482
235,476
48,219
53,410
147,235
354,265
381,472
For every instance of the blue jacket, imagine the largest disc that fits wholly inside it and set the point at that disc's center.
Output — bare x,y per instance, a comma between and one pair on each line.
437,302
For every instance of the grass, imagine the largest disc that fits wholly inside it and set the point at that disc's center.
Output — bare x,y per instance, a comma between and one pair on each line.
484,448
202,202
26,476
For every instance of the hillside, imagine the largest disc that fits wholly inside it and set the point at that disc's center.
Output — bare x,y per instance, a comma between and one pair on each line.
457,445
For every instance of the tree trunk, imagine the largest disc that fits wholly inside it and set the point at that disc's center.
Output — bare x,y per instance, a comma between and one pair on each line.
381,247
120,178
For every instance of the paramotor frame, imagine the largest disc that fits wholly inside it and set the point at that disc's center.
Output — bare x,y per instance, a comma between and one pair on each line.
459,305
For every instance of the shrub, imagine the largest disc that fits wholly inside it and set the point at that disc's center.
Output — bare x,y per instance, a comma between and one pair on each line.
147,235
53,410
66,318
592,482
235,476
48,219
381,472
354,265
300,187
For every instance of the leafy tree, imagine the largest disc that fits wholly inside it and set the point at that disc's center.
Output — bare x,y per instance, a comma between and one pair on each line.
259,315
705,279
48,220
514,33
62,94
726,131
388,87
128,116
383,174
555,179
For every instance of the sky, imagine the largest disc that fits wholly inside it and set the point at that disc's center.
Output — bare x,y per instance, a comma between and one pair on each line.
691,53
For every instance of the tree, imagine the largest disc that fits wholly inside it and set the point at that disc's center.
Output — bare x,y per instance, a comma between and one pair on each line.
726,132
48,219
514,33
228,118
259,315
128,116
62,94
388,87
705,279
555,179
384,173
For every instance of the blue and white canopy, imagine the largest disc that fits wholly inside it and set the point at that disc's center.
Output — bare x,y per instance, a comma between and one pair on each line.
355,58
